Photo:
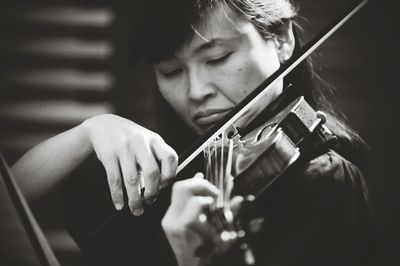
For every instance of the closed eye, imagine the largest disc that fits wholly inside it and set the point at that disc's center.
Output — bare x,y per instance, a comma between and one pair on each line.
219,59
172,73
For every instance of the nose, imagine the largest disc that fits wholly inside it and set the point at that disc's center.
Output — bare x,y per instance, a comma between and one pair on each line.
200,86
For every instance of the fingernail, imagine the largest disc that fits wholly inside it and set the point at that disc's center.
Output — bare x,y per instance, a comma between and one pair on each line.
118,206
199,175
138,212
202,218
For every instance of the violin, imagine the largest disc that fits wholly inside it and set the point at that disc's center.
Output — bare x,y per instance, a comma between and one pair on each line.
294,131
248,165
237,164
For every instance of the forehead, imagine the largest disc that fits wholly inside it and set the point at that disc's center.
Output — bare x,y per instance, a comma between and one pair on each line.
217,24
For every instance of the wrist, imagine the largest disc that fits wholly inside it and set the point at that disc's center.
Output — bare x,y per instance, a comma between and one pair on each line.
83,132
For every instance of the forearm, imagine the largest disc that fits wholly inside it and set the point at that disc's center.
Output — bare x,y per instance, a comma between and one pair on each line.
44,166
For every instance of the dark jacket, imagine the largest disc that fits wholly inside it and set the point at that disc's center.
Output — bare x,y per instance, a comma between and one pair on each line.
315,214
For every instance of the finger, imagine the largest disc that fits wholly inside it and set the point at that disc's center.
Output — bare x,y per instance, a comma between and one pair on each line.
235,204
168,160
201,187
114,181
132,184
151,175
198,204
194,209
183,190
199,175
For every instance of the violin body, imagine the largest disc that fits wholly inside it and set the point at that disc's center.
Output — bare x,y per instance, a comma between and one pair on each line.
277,143
254,162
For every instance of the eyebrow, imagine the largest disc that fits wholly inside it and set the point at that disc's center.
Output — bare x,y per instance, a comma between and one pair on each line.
211,43
207,45
204,46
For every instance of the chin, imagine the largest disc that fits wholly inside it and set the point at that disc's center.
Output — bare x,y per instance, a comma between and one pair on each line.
197,130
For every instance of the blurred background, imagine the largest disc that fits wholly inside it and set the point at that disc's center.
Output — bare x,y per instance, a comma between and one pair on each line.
62,62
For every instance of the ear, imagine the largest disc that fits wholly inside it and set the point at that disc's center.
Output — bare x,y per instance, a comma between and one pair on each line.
284,41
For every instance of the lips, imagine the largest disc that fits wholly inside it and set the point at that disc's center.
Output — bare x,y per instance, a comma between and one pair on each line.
209,117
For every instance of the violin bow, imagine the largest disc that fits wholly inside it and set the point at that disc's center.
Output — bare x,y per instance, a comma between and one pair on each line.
258,93
201,143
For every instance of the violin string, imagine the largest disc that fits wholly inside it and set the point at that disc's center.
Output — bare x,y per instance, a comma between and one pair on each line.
221,171
228,171
209,168
219,159
215,166
220,206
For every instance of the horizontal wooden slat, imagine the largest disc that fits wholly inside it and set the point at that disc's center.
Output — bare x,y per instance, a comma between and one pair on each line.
68,47
72,16
62,79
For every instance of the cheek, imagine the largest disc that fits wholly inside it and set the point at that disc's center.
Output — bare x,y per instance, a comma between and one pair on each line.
248,70
175,98
233,80
245,77
168,91
259,67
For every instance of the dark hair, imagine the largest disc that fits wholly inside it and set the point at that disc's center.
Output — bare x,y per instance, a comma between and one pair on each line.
173,24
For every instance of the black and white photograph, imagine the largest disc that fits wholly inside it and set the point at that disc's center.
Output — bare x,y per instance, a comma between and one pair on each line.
199,133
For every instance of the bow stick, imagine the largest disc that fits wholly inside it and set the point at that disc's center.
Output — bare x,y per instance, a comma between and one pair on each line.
201,143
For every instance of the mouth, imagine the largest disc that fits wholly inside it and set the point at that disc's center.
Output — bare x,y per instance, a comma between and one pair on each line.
206,119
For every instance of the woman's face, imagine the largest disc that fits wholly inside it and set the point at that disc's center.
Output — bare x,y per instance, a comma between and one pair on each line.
225,60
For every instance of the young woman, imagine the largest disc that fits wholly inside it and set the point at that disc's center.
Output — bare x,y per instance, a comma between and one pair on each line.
213,54
207,56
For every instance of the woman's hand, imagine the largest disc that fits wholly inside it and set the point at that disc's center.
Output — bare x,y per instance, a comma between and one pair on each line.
183,223
127,152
